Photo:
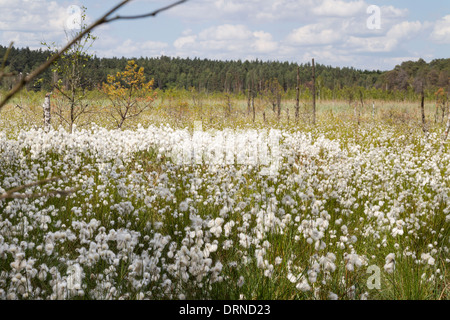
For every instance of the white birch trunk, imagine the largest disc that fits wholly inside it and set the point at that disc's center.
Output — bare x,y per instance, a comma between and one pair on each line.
47,114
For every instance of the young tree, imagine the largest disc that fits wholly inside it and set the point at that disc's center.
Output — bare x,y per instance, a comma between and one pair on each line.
349,94
422,109
273,95
441,102
129,93
71,96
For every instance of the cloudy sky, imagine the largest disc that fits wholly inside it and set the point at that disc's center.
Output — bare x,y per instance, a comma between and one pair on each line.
373,34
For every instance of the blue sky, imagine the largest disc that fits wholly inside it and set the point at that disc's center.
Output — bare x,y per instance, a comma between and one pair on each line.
334,32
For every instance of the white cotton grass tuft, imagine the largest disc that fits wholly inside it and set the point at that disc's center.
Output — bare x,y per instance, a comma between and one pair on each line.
427,258
241,281
332,296
303,286
186,230
389,266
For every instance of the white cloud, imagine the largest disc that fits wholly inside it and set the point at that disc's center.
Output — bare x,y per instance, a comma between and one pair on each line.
226,41
254,11
263,42
108,46
29,22
339,8
389,12
226,32
229,6
378,44
184,41
30,39
405,30
344,35
332,31
338,34
396,35
32,16
441,32
314,34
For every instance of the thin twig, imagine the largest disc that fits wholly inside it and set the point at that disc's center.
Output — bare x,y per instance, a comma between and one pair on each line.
41,194
103,20
12,193
33,184
147,15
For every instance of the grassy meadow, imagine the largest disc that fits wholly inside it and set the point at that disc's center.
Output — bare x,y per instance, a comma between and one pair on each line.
358,206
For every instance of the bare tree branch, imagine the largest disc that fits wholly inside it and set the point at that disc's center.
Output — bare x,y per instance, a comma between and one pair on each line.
13,193
147,15
39,195
103,20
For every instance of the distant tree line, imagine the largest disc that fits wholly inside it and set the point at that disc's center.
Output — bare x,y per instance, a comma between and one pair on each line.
404,82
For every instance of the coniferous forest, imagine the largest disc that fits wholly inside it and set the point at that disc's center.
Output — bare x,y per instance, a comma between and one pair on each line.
402,83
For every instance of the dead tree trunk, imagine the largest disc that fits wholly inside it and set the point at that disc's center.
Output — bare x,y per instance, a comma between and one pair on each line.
361,98
297,101
314,91
278,104
422,108
47,114
249,101
253,100
253,107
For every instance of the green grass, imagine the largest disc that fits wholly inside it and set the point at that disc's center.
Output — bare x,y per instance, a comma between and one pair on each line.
117,199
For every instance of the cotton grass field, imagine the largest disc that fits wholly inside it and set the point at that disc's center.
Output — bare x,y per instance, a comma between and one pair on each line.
231,210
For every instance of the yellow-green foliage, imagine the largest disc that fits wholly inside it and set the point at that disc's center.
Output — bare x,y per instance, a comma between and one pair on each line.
129,93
